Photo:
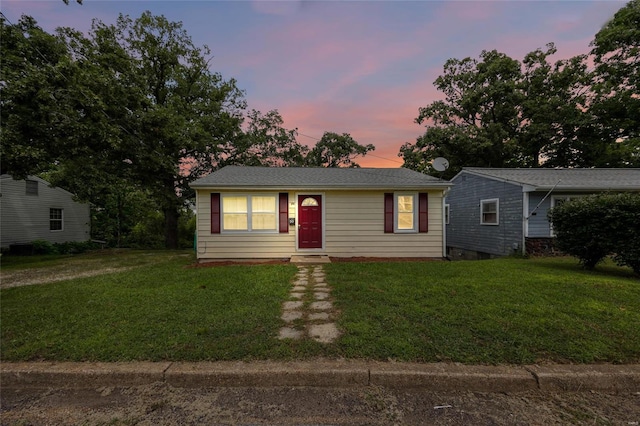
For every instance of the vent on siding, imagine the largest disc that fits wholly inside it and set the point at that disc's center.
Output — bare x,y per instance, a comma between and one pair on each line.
32,187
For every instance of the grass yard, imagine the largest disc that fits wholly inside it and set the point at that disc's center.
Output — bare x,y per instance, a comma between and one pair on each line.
496,311
499,311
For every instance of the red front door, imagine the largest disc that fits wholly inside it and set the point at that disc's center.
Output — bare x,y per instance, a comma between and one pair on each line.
309,221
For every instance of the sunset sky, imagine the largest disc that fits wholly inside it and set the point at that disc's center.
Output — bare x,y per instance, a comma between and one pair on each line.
357,67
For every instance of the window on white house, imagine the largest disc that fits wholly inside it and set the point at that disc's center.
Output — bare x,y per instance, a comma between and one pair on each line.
447,209
32,187
489,211
263,213
56,219
249,213
406,212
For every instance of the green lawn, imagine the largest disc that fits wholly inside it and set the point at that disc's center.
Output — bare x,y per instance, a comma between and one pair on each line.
498,311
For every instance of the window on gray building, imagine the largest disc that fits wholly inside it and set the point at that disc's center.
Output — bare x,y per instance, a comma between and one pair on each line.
56,219
489,211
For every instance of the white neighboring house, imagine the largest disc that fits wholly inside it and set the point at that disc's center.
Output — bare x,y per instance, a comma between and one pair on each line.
33,210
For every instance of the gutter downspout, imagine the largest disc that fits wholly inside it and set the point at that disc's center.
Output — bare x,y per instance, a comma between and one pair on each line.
444,224
525,222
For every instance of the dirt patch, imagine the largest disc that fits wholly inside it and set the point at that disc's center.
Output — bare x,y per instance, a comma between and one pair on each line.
36,276
333,259
161,404
239,262
386,259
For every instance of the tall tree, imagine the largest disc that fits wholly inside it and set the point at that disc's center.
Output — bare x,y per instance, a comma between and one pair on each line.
335,150
477,119
616,50
264,142
131,101
556,125
499,112
35,75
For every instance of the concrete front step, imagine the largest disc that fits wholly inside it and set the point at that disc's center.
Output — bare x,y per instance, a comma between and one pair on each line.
301,259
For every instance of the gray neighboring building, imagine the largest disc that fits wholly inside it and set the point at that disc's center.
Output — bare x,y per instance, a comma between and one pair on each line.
32,210
499,212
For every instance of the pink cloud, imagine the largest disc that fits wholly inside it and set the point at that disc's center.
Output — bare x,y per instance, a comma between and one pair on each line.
281,8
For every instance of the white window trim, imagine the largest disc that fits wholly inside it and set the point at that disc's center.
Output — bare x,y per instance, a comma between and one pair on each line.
396,211
249,197
61,220
447,213
487,201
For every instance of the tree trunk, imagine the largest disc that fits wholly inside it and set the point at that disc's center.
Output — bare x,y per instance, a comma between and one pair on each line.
171,228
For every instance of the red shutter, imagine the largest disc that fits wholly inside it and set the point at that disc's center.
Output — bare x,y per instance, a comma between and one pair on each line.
283,212
423,212
215,213
388,213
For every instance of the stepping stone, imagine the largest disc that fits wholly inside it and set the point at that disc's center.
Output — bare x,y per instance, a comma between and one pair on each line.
289,333
321,287
301,282
289,316
320,306
319,280
298,288
318,316
324,333
291,306
296,295
321,295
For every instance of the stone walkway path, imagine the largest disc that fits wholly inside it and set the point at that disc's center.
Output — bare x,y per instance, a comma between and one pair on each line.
310,311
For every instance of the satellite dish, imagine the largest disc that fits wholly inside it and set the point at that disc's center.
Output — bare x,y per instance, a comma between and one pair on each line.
440,164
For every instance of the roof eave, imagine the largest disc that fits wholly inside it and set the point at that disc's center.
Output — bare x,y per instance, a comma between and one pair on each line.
435,185
577,188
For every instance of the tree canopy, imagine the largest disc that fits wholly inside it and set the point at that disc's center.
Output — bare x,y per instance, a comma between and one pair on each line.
134,107
334,150
501,112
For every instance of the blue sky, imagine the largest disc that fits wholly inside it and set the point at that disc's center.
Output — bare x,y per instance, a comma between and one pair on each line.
360,67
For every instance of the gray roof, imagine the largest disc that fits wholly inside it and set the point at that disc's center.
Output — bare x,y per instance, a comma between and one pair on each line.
316,178
573,179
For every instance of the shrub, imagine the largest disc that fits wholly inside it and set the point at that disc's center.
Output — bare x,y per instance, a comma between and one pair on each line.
594,227
626,232
43,247
75,247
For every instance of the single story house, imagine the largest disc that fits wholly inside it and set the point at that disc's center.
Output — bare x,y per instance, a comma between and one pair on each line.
276,213
497,212
31,209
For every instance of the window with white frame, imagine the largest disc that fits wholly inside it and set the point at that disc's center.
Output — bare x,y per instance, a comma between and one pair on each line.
489,211
250,213
447,209
56,217
406,213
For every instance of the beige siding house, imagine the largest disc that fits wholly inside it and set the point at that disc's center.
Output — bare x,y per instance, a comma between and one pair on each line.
276,213
32,210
